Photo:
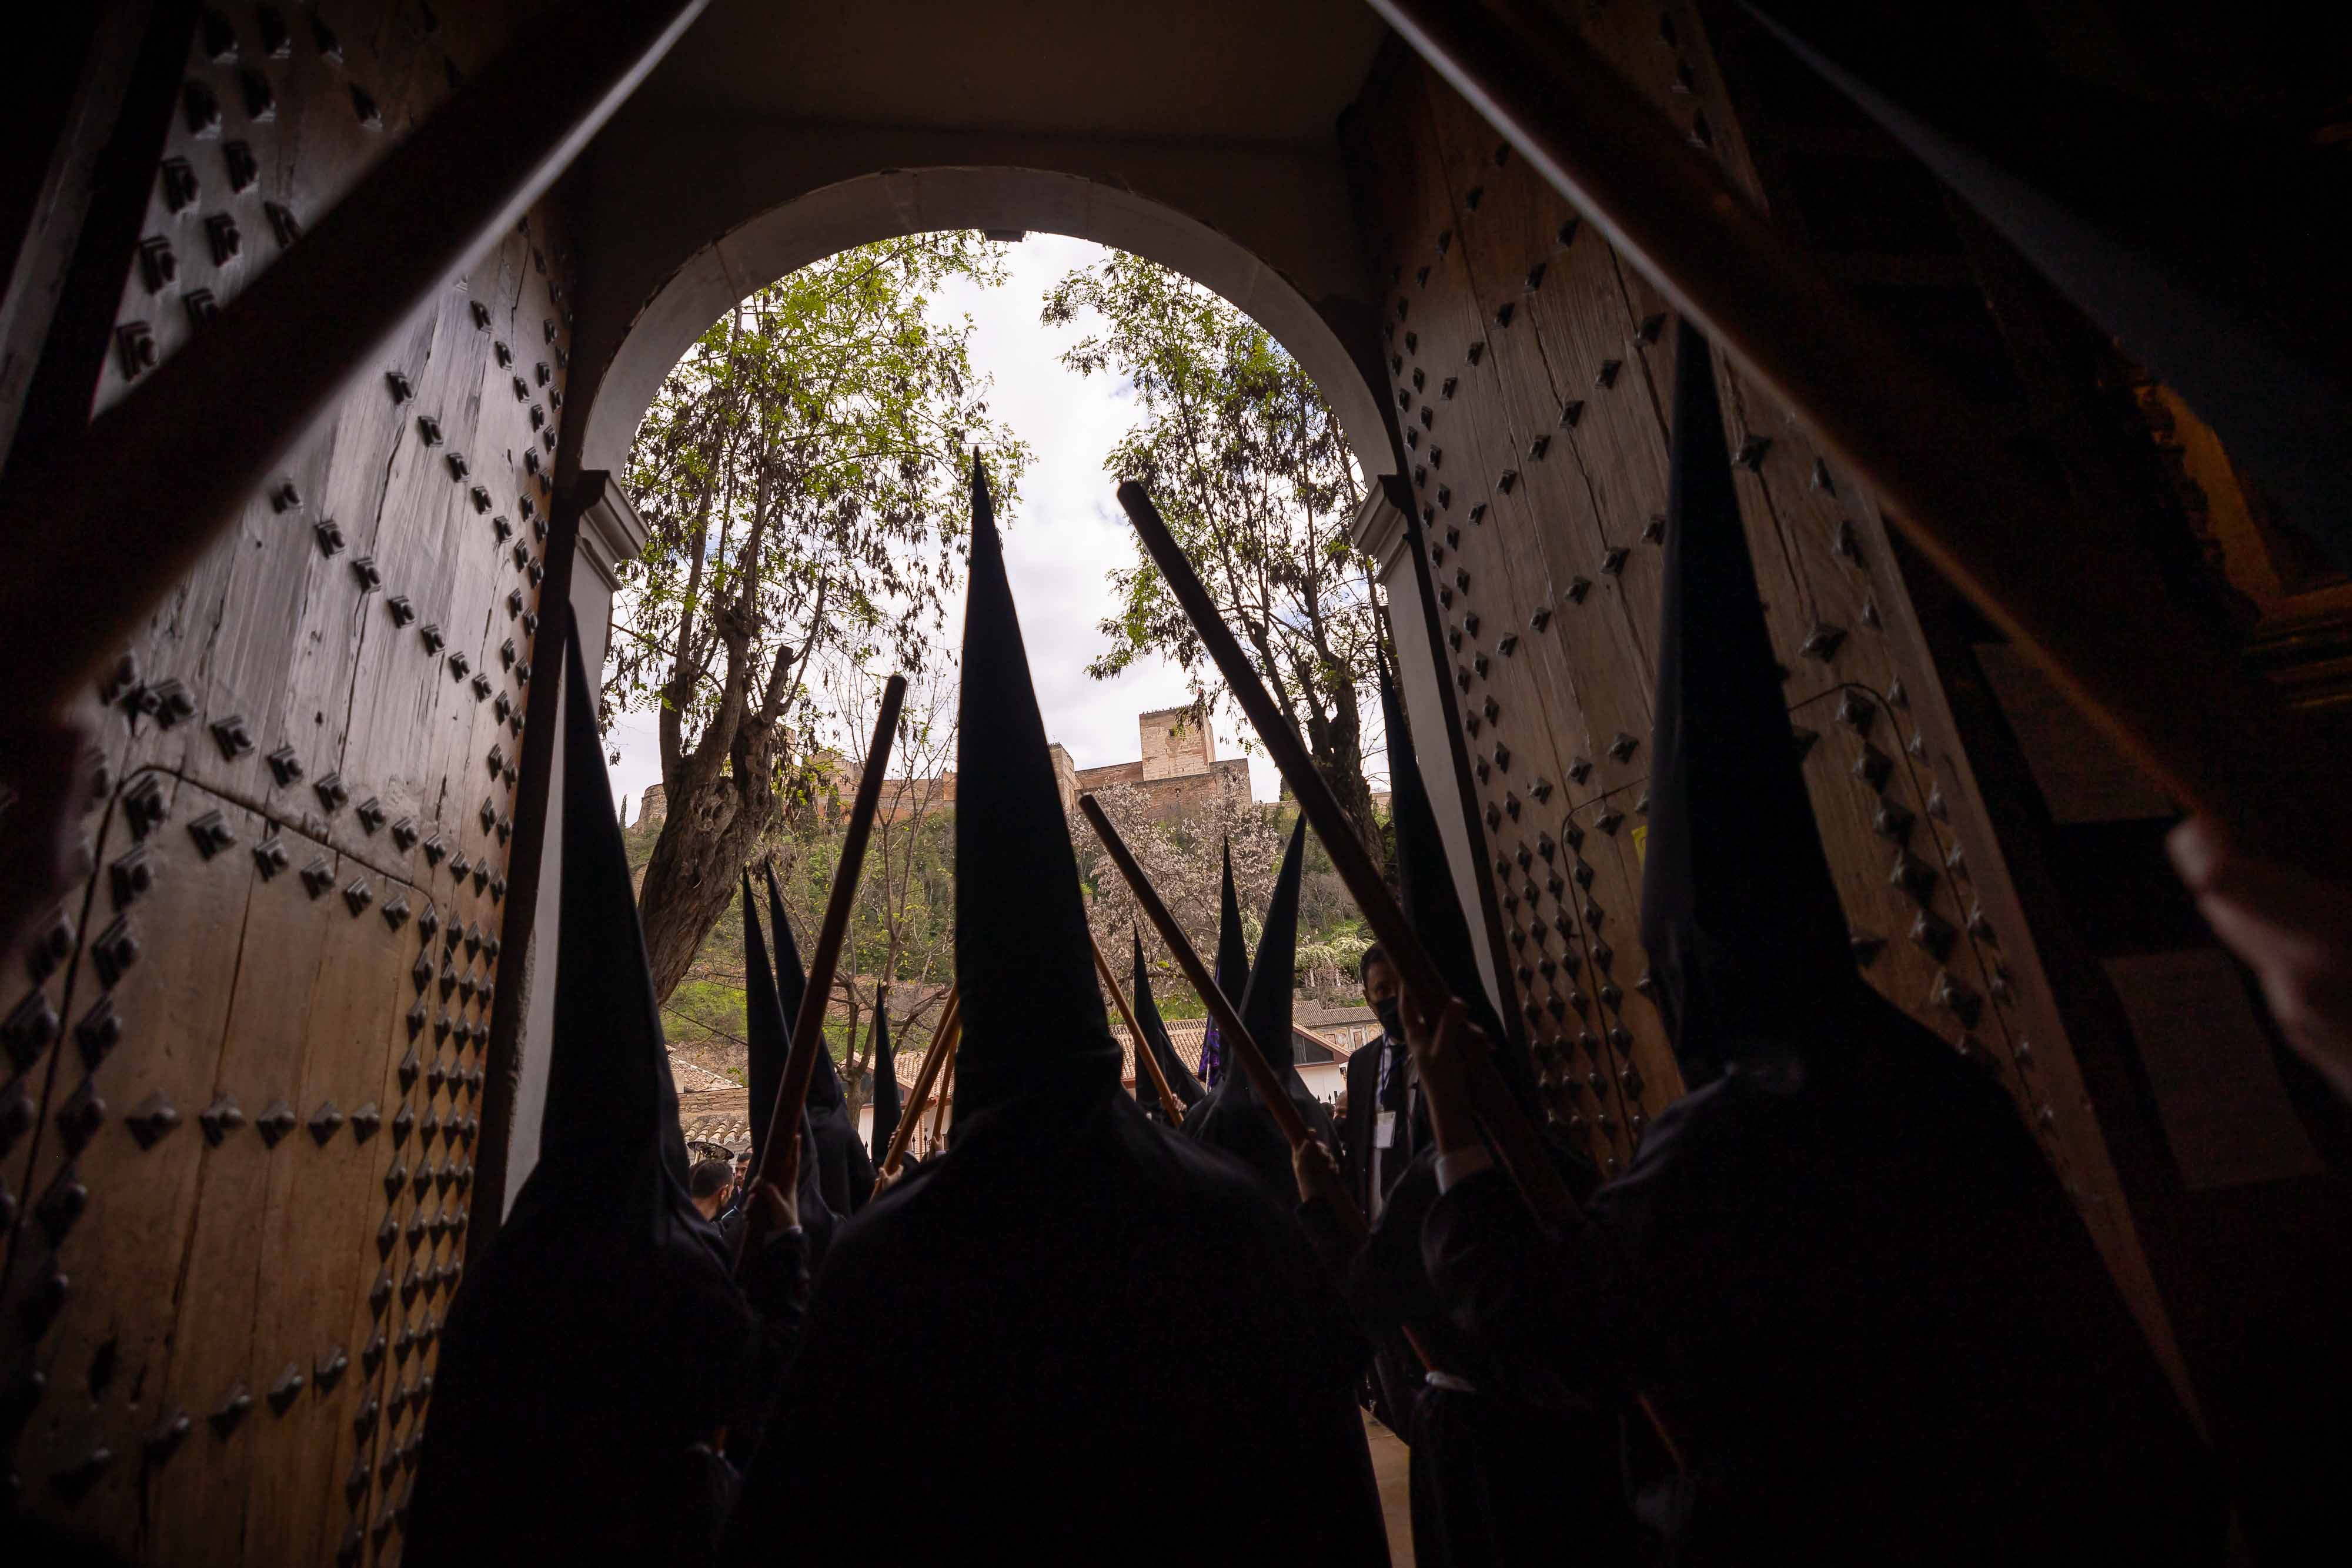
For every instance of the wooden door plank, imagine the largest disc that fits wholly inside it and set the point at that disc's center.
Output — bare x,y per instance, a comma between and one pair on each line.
109,1356
319,1207
199,1509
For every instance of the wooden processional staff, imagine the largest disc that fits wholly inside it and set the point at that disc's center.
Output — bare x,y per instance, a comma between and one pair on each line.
1146,1059
808,1029
944,1036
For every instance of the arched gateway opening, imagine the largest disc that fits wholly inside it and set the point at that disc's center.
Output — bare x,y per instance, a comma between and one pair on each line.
791,241
853,212
324,333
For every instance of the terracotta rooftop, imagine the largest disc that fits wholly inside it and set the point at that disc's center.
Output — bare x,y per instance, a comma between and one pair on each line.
716,1115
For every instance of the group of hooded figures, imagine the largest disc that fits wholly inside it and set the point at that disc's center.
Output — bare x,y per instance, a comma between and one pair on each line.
1836,1308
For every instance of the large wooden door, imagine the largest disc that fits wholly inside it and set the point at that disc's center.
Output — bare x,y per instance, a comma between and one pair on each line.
1530,373
244,1080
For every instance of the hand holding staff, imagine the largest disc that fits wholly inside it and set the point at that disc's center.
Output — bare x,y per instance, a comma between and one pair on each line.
1230,1027
935,1055
1146,1059
1516,1140
808,1029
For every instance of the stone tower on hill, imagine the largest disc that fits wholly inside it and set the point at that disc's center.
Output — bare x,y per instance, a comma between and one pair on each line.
1178,772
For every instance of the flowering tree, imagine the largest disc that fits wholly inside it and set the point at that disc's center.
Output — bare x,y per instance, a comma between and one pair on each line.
1180,855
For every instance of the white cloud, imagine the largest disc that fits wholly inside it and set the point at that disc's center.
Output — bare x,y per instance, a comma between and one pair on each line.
1061,542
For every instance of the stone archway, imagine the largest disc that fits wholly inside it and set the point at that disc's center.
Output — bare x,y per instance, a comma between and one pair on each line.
875,206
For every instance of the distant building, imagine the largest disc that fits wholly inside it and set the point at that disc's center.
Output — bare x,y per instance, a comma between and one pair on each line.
653,808
1178,772
1351,1027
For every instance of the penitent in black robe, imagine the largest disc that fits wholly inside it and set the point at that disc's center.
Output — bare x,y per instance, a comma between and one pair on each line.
1084,1303
1871,1313
1182,1082
767,1048
595,1352
1510,1464
1849,1277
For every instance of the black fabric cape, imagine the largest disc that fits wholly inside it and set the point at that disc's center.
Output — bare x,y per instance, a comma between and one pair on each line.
600,1337
1510,1463
845,1170
1188,1087
1230,1117
886,1084
1842,1266
1087,1304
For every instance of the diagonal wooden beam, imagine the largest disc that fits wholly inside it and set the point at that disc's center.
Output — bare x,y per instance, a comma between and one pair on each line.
935,1055
783,1118
99,527
1516,1142
2071,590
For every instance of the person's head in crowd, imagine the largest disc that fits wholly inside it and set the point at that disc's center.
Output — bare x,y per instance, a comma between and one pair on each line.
1381,989
708,1184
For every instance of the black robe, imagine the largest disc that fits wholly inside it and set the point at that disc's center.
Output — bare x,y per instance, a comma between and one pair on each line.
1187,1088
596,1350
576,1383
1510,1463
1088,1305
885,1099
1870,1313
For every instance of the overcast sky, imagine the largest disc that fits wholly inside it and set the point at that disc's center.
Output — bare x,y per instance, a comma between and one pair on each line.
1062,541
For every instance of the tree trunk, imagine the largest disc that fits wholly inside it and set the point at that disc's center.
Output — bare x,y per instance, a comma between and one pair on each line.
705,842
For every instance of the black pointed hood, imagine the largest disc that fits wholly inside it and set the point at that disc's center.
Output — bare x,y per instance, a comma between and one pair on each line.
610,1133
791,986
1433,906
1265,1006
1232,972
1189,1089
768,1036
886,1079
1747,942
1230,1116
766,1026
1032,1013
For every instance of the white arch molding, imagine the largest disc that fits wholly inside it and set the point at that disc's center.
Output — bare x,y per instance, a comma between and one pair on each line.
897,202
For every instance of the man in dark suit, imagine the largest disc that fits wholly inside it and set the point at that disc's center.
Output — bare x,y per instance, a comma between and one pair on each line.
1384,1126
1385,1122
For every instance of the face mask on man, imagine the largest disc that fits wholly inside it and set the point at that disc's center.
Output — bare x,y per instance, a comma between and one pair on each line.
1391,1017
